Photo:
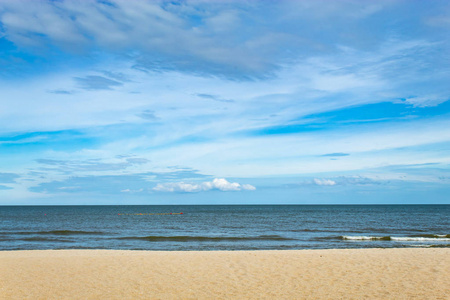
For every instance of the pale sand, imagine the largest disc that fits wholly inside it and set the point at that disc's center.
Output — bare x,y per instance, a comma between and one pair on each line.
303,274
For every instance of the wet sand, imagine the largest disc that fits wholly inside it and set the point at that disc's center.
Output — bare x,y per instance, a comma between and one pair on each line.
301,274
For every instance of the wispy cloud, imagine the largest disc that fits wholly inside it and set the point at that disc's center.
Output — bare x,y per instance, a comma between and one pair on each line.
119,76
215,98
148,114
70,166
196,36
8,177
93,82
61,92
340,154
357,180
92,184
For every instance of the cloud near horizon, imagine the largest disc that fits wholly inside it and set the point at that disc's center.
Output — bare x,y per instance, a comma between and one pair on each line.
326,182
220,184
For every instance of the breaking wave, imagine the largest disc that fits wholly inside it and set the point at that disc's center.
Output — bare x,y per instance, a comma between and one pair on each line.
417,238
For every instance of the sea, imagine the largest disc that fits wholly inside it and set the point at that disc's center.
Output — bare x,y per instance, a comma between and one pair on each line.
227,227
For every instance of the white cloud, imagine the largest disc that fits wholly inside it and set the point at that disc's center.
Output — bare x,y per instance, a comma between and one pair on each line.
162,30
69,188
193,35
426,101
132,191
217,184
324,181
248,187
177,187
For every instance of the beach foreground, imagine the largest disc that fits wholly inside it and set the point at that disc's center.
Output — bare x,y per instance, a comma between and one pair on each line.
317,274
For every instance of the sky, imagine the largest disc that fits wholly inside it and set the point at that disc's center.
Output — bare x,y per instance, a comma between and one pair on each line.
224,102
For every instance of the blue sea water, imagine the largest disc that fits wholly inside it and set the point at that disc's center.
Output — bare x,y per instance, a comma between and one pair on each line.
214,227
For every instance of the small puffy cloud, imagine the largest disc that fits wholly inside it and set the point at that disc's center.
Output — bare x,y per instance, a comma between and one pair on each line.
220,184
248,187
324,181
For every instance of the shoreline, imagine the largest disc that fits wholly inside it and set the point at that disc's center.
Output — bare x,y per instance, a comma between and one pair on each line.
231,250
375,273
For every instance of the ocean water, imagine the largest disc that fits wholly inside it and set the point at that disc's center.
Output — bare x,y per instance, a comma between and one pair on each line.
235,227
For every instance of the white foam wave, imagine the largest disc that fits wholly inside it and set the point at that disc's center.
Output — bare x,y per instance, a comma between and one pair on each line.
438,238
363,238
419,239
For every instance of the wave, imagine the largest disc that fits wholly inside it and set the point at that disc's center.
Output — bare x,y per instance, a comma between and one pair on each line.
423,238
440,246
365,238
205,238
55,232
437,236
43,239
324,230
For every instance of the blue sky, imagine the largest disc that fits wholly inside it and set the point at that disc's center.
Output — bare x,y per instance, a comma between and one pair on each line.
224,102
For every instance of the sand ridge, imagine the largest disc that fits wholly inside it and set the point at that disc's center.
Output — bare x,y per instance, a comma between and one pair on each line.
286,274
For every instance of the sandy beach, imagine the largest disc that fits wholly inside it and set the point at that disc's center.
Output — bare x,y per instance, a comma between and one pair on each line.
300,274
